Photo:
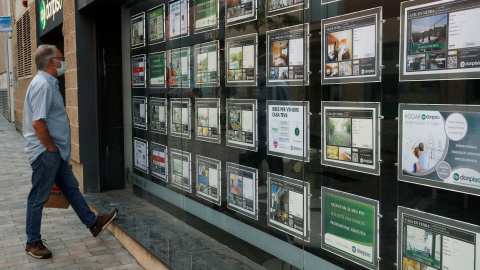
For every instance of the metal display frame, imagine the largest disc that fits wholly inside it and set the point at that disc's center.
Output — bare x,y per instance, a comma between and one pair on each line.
219,129
162,102
134,17
216,45
174,101
154,174
135,139
163,22
296,7
228,41
183,154
135,124
143,59
207,28
253,17
239,168
241,145
164,70
202,195
170,18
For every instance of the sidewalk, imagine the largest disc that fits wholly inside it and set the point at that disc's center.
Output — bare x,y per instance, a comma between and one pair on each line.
72,245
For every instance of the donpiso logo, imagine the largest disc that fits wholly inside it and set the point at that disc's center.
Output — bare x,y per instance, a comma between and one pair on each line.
471,179
354,249
456,177
43,18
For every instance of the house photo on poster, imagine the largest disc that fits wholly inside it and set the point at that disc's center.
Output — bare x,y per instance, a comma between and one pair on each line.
140,112
242,190
207,118
140,156
178,18
178,67
137,28
207,72
288,205
440,40
209,178
241,64
158,115
159,164
156,25
351,136
352,46
439,146
180,163
138,71
239,11
157,69
287,51
180,118
431,242
242,123
206,14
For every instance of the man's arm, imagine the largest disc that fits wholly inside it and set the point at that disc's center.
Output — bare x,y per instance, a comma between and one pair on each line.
43,135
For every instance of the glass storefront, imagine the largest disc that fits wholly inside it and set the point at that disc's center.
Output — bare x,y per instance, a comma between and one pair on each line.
319,134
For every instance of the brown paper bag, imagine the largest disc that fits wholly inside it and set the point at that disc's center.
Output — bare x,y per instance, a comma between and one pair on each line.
57,200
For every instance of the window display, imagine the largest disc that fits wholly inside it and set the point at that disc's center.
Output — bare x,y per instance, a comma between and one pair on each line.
241,66
180,118
239,11
351,136
178,18
350,227
352,47
439,145
209,178
439,40
288,205
156,25
242,123
207,67
206,15
158,115
138,71
140,149
242,190
140,112
178,70
159,161
180,163
137,28
431,242
288,56
288,131
207,116
157,69
277,7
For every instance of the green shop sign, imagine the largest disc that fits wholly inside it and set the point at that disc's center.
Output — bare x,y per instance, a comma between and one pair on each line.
50,15
157,70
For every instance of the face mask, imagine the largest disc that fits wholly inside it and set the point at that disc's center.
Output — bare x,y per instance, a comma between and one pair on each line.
61,70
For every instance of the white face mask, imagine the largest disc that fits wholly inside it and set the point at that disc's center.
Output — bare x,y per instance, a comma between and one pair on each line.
61,70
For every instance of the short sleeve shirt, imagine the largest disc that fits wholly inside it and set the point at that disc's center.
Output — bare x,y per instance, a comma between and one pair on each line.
43,101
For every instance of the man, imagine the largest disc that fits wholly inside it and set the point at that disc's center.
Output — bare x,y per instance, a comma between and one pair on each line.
46,128
423,159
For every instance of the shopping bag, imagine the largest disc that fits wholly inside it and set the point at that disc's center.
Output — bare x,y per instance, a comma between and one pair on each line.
57,200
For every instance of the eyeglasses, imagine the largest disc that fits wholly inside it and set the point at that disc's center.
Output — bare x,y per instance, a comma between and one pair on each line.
62,58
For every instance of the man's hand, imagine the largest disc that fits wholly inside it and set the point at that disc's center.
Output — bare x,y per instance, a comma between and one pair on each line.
43,135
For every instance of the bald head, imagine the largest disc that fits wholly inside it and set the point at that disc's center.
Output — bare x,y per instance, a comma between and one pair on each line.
43,53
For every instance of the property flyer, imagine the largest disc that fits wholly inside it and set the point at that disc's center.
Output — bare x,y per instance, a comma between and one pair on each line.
432,242
159,161
242,124
350,136
277,7
178,70
209,179
206,14
156,24
207,116
440,38
352,48
287,129
207,72
180,168
140,112
158,115
178,18
242,190
138,71
140,150
350,226
157,69
439,145
180,118
137,30
241,64
238,11
288,205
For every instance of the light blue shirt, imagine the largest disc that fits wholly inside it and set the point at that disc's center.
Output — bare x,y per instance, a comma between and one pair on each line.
44,101
423,161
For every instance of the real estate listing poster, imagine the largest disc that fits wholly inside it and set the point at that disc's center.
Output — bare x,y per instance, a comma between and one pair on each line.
207,118
180,118
139,112
242,190
207,71
288,54
288,205
209,176
206,15
138,71
178,18
157,69
158,115
180,163
178,69
350,227
241,64
277,7
430,242
140,154
242,124
137,24
351,136
288,129
240,11
352,47
156,25
439,40
439,146
159,161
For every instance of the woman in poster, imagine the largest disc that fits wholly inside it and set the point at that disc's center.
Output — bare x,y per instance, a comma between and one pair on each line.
411,164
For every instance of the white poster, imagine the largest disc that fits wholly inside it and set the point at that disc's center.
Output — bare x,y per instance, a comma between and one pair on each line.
207,111
242,124
178,18
242,190
140,154
241,63
239,11
180,122
207,72
209,179
159,161
180,162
